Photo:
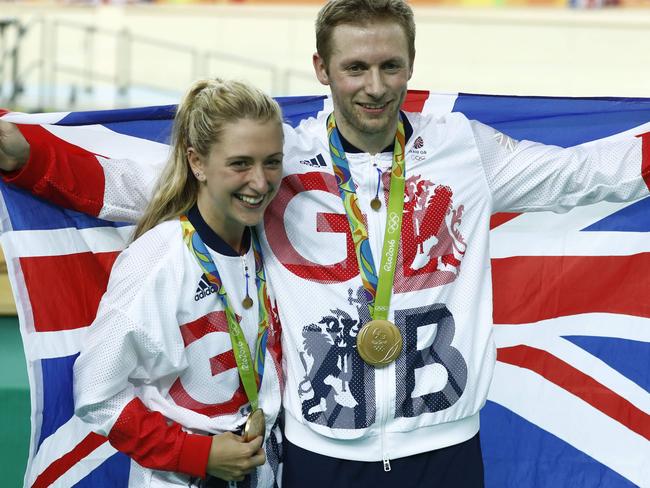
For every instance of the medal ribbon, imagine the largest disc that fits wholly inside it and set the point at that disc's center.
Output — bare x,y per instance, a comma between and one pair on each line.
379,287
250,373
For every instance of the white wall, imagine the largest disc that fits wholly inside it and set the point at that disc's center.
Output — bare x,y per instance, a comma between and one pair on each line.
502,51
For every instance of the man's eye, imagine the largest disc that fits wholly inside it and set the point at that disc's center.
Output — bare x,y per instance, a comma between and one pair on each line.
274,163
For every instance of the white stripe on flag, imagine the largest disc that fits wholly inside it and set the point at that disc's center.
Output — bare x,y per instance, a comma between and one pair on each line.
34,119
571,419
101,140
575,220
592,366
44,345
511,243
66,438
31,243
88,464
439,104
586,324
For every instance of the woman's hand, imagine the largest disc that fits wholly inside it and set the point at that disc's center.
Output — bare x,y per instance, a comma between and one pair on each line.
14,148
231,458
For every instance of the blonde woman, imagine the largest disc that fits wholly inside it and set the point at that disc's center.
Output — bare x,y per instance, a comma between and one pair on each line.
180,368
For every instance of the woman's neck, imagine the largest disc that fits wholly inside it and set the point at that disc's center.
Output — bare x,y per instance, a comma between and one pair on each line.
231,234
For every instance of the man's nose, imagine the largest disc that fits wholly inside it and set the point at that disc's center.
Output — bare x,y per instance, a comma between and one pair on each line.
375,85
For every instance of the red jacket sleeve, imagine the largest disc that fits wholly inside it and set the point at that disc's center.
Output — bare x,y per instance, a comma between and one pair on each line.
645,158
152,442
60,172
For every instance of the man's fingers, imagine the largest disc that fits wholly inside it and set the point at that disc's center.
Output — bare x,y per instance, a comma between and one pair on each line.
14,149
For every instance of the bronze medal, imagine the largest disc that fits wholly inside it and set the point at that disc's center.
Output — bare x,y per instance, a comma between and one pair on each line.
379,343
375,203
247,302
255,425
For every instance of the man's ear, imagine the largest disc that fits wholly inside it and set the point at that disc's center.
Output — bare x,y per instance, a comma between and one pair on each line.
411,67
320,68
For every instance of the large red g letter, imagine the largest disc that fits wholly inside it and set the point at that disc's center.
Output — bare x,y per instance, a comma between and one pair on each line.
282,247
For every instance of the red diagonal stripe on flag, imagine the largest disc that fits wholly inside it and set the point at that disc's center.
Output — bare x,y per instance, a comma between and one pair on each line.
64,291
579,384
59,467
501,218
528,289
415,100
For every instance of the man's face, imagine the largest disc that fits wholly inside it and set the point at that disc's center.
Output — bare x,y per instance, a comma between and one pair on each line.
368,70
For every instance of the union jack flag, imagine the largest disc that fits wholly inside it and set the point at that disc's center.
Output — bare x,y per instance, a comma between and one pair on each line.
569,403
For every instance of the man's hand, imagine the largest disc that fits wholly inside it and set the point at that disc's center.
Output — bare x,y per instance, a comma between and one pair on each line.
14,149
231,458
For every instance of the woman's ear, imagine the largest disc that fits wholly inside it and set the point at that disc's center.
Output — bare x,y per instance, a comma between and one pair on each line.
196,163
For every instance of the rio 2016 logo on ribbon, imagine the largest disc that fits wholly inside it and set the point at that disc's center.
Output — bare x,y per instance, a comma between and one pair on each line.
392,222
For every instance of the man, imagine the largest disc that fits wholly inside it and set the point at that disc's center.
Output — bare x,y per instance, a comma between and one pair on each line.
386,319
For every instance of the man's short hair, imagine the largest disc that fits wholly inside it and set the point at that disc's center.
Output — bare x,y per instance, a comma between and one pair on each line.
362,12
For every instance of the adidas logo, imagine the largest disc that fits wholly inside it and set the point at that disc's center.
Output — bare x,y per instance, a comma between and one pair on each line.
204,289
317,162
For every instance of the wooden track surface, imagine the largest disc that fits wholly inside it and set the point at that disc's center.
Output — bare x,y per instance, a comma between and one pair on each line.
7,305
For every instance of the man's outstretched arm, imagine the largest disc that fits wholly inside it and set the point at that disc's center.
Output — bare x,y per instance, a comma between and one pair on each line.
14,148
35,159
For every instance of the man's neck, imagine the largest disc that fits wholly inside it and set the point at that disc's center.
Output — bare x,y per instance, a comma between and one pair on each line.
369,143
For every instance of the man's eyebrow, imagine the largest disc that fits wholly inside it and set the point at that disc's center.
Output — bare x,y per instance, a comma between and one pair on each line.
353,61
349,62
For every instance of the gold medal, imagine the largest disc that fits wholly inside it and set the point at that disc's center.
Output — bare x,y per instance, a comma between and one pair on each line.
247,302
255,425
375,203
379,343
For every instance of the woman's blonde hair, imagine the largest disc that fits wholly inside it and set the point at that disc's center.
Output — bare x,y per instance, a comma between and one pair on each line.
207,107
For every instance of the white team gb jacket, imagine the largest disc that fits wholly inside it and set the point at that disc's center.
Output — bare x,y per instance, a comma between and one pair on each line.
458,173
161,335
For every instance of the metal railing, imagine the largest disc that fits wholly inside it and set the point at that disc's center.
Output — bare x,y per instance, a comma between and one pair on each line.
77,61
12,34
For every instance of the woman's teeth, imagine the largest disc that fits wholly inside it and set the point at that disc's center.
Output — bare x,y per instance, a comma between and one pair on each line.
251,200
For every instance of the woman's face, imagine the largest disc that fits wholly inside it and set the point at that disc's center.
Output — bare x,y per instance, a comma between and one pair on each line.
239,176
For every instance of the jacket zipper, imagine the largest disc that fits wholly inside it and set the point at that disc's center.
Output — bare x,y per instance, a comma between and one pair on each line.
376,170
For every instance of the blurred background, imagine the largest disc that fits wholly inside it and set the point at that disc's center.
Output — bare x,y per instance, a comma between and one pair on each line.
76,55
103,54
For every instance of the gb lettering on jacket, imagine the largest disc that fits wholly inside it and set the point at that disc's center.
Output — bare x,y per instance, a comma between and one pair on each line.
431,247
